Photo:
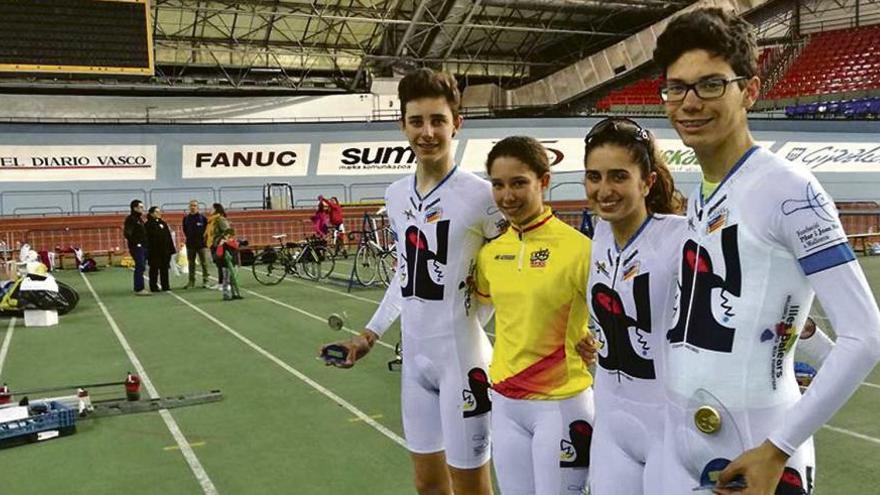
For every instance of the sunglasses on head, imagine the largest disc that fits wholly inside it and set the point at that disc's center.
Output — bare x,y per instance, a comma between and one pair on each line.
621,126
618,125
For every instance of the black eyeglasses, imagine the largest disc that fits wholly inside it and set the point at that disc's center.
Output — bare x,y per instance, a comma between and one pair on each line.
707,89
620,126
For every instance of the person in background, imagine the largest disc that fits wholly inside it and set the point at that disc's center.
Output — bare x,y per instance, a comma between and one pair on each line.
217,225
337,223
227,250
160,247
136,237
194,226
321,219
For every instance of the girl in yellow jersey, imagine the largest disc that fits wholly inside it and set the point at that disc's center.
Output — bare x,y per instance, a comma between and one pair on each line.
535,275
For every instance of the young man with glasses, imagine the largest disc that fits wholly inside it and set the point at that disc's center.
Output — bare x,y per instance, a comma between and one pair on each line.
762,238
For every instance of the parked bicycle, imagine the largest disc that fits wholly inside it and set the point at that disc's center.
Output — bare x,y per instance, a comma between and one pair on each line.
309,259
376,257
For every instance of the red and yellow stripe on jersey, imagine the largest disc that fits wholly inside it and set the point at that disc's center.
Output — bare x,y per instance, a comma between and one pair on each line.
536,277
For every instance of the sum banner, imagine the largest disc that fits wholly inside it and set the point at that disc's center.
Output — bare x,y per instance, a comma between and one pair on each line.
395,157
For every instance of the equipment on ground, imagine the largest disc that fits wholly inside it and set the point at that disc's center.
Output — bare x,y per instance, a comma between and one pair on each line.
34,288
45,418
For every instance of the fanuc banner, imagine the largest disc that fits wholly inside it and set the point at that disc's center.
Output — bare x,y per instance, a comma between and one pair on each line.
245,160
77,163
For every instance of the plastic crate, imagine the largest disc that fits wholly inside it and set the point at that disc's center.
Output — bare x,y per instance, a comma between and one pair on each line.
58,417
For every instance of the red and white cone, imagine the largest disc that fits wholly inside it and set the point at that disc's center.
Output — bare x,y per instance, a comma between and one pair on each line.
5,395
132,387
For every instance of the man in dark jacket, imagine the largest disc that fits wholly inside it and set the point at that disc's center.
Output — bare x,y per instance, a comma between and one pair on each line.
194,224
136,237
160,247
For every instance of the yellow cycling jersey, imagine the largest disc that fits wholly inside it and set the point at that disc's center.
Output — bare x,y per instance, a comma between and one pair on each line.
536,277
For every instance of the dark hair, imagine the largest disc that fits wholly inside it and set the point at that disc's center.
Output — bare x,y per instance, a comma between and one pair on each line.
425,83
525,149
720,32
152,209
134,203
642,148
219,209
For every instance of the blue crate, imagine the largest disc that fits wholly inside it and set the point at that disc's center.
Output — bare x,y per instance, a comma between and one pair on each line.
58,417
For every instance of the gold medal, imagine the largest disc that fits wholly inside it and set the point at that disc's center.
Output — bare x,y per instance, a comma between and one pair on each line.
707,420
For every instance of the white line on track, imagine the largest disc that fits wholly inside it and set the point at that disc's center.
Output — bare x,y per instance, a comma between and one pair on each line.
194,464
869,384
7,341
294,280
346,294
310,315
852,434
293,371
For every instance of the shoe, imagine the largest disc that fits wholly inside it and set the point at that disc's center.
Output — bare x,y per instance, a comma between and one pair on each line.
207,285
189,285
227,297
143,292
237,297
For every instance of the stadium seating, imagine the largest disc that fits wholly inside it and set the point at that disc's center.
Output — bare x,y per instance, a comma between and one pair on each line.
856,109
834,62
641,92
646,91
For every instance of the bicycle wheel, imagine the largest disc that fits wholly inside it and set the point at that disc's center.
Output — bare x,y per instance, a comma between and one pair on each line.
269,267
326,262
308,264
387,267
366,265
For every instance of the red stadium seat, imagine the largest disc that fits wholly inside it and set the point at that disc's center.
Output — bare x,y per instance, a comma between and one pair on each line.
832,62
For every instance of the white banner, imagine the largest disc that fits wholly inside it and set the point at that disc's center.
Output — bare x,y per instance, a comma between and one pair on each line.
565,154
680,158
834,157
77,163
394,157
245,160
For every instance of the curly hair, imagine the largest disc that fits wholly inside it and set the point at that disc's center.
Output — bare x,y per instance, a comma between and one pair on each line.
720,32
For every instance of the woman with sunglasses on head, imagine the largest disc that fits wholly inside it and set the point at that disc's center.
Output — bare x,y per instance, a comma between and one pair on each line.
535,276
631,287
